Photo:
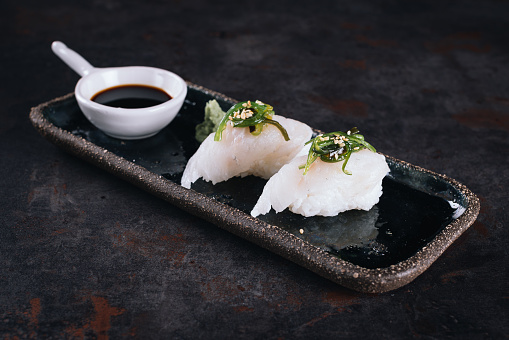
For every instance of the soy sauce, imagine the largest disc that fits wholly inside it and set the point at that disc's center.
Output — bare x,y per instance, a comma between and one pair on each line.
131,96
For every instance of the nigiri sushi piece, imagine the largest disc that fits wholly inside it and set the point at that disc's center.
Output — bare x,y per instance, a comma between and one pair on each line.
247,142
341,172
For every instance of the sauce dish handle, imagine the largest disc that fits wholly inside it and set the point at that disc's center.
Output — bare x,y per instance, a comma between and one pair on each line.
72,59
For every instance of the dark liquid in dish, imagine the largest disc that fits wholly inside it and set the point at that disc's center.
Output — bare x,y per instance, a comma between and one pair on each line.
131,96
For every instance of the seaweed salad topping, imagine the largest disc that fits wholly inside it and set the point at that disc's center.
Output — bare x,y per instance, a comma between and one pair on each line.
334,147
252,114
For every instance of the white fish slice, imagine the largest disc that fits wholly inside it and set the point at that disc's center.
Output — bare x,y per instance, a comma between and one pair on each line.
325,190
239,153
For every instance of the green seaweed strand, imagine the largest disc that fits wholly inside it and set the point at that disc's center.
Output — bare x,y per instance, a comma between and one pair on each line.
335,147
252,114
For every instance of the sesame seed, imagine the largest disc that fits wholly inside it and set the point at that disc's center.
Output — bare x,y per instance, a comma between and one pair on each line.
301,231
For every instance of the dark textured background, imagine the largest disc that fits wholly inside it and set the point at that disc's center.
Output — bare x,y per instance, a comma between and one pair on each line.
84,254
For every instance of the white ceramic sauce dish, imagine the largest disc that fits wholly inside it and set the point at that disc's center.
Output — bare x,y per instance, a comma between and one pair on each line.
117,122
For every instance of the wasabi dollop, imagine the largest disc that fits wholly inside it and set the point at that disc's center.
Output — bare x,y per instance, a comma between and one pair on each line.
213,116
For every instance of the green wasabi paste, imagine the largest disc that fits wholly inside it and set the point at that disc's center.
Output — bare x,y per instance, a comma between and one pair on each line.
213,116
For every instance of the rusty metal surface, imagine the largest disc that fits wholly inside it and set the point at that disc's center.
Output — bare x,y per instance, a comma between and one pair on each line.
84,254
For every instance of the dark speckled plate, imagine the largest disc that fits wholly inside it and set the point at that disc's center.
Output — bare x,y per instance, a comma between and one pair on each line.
419,214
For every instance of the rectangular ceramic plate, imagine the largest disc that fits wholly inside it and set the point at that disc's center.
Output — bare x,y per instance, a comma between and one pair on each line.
419,214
